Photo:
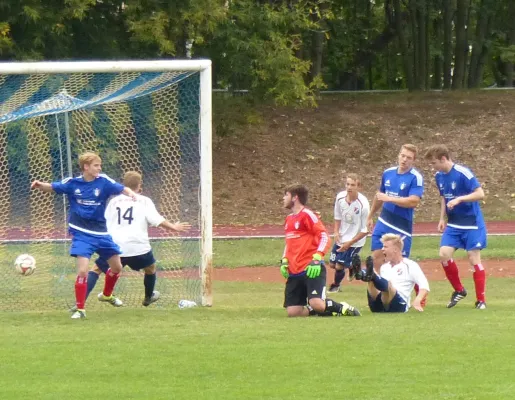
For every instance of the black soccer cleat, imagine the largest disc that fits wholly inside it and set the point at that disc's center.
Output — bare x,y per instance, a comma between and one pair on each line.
369,271
456,297
355,268
334,288
480,305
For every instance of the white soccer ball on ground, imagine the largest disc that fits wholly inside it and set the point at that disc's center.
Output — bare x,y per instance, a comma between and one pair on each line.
25,264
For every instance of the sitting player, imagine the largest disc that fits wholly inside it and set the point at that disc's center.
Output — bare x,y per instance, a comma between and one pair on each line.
390,291
127,222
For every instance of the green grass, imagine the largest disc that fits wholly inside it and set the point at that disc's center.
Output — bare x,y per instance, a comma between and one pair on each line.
258,252
246,348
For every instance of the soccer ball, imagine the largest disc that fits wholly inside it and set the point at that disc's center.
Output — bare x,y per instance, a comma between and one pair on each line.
25,264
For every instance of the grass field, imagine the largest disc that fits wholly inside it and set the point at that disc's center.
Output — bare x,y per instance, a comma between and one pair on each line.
254,252
245,348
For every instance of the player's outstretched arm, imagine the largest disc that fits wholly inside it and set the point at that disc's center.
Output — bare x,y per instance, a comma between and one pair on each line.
129,192
43,186
177,227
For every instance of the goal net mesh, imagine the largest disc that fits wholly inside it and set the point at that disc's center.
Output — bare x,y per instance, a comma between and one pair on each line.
145,121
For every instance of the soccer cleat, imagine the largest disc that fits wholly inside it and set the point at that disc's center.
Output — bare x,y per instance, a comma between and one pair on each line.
368,273
149,300
73,309
334,288
348,310
480,305
114,301
355,267
456,297
79,314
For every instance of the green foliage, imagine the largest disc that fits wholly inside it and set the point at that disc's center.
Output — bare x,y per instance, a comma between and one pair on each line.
266,46
257,48
164,28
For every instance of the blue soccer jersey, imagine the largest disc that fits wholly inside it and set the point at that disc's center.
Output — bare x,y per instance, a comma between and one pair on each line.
460,181
88,202
400,185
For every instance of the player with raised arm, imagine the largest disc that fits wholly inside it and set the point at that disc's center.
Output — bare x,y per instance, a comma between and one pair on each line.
351,210
390,290
88,195
302,263
128,222
460,194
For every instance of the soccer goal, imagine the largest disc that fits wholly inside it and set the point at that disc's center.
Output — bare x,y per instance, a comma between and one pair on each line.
150,116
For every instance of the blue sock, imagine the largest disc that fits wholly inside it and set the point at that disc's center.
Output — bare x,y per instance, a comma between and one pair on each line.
381,284
338,276
150,283
92,281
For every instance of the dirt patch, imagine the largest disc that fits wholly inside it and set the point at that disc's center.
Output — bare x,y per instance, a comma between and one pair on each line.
432,269
362,133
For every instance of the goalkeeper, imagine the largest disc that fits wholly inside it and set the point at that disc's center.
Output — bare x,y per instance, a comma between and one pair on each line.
128,222
302,263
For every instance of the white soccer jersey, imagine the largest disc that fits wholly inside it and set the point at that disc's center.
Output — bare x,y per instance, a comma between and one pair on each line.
128,221
353,218
404,276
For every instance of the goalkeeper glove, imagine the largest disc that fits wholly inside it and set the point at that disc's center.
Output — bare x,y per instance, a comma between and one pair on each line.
284,268
315,266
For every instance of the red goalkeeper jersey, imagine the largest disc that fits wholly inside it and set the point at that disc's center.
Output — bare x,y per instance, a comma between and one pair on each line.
305,236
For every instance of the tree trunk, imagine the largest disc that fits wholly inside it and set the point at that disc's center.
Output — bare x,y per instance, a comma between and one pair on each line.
422,44
415,43
508,66
407,61
438,58
460,49
478,48
317,51
448,11
466,53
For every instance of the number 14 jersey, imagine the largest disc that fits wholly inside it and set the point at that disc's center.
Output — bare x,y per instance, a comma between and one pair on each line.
128,221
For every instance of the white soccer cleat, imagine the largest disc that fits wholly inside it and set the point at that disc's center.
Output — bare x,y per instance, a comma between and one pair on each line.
79,314
114,301
149,300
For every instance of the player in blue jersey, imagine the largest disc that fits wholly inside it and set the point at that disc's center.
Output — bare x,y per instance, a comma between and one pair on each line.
400,192
88,195
460,194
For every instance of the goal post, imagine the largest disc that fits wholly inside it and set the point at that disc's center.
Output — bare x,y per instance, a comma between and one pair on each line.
150,116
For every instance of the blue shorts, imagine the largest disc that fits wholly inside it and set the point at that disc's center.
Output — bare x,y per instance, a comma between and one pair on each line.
135,263
343,257
397,305
85,244
380,229
468,239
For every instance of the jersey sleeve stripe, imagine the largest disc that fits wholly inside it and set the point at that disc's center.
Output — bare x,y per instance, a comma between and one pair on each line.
418,175
107,177
311,214
323,242
464,170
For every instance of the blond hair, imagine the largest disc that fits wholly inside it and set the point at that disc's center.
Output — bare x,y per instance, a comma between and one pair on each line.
88,158
393,237
410,147
354,177
132,179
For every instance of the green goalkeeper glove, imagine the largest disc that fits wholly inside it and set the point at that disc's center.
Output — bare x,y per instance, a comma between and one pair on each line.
315,266
284,268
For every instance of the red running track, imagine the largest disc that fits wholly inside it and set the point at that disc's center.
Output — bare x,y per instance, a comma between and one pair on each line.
227,231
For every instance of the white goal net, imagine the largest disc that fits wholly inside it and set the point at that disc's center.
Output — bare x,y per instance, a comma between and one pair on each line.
150,116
